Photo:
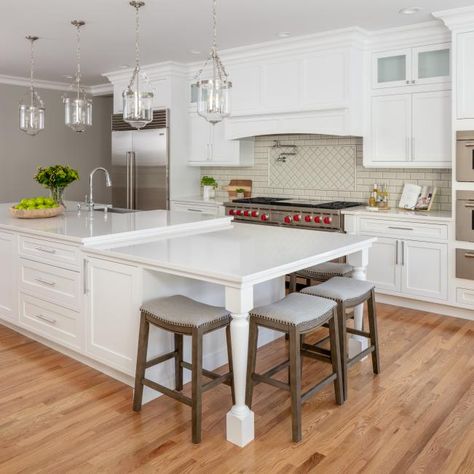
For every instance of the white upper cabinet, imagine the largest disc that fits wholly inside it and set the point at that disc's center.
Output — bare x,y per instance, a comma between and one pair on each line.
411,66
209,146
465,75
410,130
390,129
431,137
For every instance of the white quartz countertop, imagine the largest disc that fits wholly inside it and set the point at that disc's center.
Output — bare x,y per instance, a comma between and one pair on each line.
97,227
240,253
198,198
442,216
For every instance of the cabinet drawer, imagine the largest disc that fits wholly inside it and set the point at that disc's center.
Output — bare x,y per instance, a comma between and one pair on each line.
465,297
50,251
50,321
406,230
465,264
196,208
51,283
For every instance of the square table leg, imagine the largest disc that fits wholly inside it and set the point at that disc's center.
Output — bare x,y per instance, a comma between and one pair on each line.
240,419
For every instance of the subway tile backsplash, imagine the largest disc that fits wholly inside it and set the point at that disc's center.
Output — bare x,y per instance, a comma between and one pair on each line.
326,167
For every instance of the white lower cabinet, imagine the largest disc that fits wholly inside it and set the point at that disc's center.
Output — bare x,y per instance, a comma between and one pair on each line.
112,319
409,267
8,277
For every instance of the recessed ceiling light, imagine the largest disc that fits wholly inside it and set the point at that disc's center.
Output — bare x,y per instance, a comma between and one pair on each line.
194,51
410,10
283,34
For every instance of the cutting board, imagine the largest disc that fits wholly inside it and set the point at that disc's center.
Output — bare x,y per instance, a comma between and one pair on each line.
235,184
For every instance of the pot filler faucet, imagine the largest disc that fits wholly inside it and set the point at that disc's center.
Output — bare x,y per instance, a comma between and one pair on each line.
108,183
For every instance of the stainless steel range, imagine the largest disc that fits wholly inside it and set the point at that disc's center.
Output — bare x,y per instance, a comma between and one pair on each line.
301,213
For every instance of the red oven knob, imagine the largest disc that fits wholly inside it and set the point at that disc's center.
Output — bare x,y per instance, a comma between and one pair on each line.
327,220
297,217
231,212
287,219
238,212
307,218
246,213
254,214
264,217
317,219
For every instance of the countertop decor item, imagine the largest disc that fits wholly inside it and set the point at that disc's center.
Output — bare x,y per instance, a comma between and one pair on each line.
56,178
240,193
137,100
209,186
213,103
234,184
32,109
77,105
36,213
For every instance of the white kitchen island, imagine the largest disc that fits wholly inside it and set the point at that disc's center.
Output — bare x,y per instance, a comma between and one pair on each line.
76,282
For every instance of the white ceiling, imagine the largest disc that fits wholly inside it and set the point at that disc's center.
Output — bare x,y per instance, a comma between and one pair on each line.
171,28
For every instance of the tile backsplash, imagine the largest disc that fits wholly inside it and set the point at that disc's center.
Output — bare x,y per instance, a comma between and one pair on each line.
325,167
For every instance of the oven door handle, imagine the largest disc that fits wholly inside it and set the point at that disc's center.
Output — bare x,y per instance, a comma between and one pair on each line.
469,204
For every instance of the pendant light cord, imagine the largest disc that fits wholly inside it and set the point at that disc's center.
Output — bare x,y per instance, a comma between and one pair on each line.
78,58
137,34
32,70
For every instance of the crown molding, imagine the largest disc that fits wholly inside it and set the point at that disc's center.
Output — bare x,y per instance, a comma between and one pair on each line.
101,89
154,71
457,18
40,84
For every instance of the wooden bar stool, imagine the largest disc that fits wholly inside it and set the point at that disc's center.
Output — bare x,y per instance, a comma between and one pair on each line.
320,273
348,293
182,316
296,314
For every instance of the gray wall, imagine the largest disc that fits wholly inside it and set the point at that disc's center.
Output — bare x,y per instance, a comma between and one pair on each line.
20,154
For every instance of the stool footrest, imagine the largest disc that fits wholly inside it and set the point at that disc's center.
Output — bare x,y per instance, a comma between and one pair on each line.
315,355
226,378
358,333
208,373
167,391
160,359
319,350
360,356
276,369
318,387
259,378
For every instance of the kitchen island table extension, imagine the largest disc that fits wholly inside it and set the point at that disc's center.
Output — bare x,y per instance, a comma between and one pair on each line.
238,258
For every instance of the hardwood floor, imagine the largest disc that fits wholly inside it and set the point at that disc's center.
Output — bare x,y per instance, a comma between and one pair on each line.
59,416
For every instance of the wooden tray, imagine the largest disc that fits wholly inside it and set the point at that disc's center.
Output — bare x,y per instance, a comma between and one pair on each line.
36,213
235,184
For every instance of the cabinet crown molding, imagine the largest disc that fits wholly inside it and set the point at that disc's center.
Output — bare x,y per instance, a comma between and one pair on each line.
153,71
457,18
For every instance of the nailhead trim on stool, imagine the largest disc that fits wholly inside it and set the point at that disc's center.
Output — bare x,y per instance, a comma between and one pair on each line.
182,316
295,315
348,293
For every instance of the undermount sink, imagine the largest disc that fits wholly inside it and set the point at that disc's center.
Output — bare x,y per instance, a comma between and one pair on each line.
115,210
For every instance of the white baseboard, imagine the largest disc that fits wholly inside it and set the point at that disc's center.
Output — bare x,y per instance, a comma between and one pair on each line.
445,310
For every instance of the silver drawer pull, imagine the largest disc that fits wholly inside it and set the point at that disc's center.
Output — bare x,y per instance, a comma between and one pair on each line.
401,228
45,318
45,282
469,255
42,249
195,210
469,204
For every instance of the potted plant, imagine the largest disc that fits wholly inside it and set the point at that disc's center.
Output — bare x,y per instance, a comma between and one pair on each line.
56,178
240,193
209,186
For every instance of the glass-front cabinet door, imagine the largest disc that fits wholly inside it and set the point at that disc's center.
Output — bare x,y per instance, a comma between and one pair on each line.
431,64
392,68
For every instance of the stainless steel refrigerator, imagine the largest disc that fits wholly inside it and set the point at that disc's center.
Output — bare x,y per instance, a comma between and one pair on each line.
140,162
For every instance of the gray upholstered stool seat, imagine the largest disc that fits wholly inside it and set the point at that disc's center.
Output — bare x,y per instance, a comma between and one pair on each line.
348,293
182,311
320,273
341,289
298,310
182,316
295,315
327,270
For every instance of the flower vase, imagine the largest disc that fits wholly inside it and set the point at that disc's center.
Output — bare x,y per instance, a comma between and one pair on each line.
58,195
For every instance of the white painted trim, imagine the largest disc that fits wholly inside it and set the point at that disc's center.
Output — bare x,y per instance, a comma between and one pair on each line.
443,309
154,71
101,89
457,18
25,82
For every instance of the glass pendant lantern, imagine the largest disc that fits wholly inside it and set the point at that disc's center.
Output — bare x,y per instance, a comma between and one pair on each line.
138,96
32,109
213,95
77,104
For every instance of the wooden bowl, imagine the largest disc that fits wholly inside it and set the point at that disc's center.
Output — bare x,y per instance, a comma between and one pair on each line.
36,213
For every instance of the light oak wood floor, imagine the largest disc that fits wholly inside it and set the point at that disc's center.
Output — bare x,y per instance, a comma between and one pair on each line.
60,416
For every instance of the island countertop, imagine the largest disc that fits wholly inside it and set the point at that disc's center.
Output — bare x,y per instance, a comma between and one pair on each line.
239,253
85,227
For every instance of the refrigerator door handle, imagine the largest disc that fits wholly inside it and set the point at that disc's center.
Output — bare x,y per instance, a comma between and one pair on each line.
133,184
127,162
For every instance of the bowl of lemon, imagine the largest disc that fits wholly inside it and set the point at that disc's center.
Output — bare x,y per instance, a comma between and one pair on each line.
36,208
